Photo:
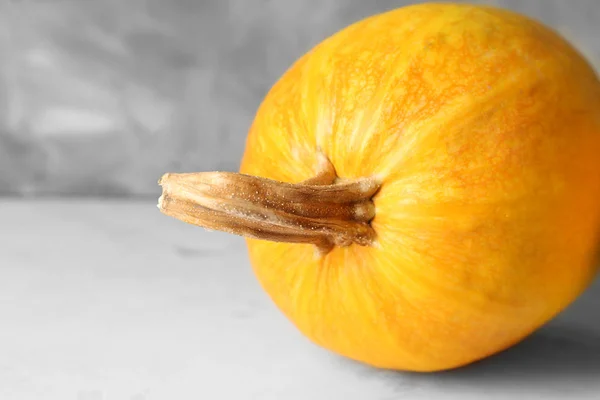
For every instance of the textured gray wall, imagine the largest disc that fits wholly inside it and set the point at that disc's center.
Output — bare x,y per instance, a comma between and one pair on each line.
100,97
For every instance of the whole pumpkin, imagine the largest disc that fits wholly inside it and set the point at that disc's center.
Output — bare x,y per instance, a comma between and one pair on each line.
422,189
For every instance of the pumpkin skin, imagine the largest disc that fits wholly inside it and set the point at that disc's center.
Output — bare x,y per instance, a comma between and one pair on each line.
483,127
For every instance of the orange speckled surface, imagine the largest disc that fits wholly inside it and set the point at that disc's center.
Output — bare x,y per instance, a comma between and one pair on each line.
483,127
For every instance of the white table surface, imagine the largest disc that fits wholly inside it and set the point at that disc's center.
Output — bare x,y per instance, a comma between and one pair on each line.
111,300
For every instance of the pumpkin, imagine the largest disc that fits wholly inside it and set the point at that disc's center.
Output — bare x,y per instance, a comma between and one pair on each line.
421,190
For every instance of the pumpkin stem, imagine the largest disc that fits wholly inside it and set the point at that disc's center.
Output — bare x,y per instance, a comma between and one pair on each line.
323,210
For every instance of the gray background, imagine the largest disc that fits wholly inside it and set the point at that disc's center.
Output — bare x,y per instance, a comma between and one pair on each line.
100,97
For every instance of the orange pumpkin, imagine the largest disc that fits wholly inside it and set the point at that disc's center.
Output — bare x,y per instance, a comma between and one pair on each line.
422,189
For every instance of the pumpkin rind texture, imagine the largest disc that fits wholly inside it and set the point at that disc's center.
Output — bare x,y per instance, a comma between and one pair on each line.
483,127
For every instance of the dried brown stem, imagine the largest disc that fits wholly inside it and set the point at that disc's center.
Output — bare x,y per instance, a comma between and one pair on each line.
320,211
